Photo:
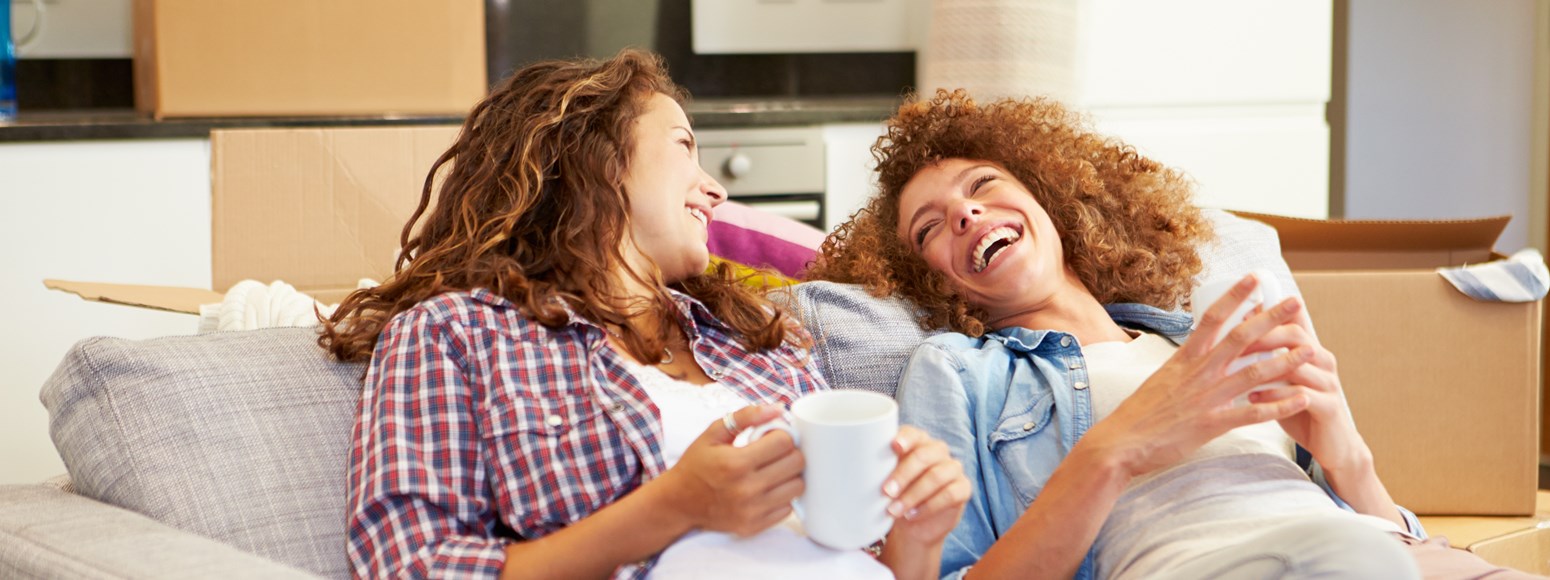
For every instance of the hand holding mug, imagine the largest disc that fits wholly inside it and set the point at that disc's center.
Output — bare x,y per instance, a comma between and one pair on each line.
743,491
928,487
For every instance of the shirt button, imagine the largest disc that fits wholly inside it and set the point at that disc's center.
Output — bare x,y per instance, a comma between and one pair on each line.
1080,385
1029,426
715,374
1065,341
554,420
617,407
1075,364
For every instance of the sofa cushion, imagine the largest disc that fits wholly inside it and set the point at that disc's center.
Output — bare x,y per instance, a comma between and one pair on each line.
239,436
863,342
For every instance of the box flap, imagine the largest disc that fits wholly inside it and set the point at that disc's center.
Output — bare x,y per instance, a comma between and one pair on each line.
169,298
1309,244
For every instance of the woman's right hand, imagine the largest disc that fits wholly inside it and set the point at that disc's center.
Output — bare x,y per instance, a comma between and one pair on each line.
1189,401
741,490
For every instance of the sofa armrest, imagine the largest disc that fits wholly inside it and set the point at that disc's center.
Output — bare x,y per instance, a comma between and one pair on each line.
49,533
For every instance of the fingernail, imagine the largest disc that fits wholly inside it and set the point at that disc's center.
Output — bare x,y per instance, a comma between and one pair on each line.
891,489
896,509
912,514
904,445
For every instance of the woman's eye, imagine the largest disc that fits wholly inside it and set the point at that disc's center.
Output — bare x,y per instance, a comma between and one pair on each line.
982,180
920,236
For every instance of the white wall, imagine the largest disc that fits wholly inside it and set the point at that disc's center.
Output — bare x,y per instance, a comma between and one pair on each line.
1440,111
134,212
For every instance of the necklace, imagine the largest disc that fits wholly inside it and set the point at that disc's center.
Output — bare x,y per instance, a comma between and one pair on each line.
667,353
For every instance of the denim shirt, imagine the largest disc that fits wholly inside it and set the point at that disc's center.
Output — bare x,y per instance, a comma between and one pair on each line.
1011,405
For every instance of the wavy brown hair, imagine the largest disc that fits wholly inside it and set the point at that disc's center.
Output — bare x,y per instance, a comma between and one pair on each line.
531,206
1127,224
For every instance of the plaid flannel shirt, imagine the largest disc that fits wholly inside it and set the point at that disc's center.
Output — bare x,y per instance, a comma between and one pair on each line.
479,427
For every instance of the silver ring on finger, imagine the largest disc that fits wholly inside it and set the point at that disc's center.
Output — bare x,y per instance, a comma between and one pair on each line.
730,423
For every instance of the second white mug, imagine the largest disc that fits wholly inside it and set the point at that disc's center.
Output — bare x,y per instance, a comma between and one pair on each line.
846,438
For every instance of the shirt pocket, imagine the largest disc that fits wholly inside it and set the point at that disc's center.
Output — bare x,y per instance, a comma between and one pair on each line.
557,457
1027,446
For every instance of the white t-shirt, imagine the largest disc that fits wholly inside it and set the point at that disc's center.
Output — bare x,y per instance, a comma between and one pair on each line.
783,551
1232,486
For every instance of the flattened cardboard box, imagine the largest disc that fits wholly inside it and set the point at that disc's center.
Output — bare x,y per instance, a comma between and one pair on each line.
203,58
1444,388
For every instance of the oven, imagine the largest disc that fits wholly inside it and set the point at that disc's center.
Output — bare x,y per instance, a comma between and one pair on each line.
779,170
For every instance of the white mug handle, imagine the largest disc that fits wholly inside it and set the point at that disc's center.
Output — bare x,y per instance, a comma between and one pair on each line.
36,32
782,423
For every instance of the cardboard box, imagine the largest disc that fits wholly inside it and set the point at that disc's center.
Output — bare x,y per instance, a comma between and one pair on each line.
1444,388
1522,543
318,208
207,58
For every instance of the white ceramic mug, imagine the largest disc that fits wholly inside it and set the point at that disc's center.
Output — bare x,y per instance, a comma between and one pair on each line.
1266,294
846,437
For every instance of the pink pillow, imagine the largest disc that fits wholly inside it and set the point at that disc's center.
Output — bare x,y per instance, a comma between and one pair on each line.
761,239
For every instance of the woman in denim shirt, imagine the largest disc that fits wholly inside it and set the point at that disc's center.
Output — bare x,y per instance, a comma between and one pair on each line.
1102,441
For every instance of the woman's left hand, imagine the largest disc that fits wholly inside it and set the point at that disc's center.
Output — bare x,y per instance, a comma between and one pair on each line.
928,488
1325,428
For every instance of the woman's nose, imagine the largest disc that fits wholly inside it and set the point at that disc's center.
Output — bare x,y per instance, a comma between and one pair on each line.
964,213
712,189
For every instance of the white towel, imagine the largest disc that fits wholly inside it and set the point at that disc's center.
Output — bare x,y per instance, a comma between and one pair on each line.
1520,278
251,304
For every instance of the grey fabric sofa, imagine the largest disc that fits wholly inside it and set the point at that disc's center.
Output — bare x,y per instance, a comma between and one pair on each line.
225,454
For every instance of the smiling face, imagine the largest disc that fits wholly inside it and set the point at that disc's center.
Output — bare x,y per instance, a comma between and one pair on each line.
671,197
981,228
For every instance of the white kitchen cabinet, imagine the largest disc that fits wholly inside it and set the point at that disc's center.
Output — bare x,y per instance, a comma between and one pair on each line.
118,211
1232,92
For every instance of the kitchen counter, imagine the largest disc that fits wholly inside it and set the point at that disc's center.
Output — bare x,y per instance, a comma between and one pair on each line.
706,113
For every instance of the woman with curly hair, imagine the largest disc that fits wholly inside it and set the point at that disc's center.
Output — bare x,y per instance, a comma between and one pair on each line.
1103,441
555,382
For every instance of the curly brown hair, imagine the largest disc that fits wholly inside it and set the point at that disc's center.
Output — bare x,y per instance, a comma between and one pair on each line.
1128,225
531,206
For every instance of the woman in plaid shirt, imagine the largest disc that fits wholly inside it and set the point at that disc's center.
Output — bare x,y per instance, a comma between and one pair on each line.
556,382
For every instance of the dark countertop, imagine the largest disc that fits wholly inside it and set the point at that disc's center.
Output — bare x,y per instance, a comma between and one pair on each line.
706,113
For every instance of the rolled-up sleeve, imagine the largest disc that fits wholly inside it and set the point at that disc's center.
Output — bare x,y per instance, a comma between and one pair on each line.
418,502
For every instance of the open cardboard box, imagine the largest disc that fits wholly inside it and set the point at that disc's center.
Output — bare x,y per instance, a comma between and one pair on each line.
1444,388
1522,543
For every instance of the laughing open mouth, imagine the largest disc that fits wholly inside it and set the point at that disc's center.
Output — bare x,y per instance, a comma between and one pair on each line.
998,239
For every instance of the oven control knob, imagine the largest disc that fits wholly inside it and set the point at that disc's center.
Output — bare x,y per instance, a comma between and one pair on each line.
738,165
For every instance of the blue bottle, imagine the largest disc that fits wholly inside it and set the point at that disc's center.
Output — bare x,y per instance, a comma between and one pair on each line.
7,65
8,46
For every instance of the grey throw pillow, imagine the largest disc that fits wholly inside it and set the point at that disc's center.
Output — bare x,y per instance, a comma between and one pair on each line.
863,342
239,436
